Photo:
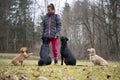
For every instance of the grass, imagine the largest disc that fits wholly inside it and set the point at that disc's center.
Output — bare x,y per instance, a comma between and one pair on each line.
84,70
10,56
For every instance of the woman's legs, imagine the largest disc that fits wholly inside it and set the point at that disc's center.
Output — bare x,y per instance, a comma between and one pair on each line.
55,47
54,42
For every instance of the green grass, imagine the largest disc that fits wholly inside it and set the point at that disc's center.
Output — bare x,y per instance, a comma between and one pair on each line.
84,71
10,56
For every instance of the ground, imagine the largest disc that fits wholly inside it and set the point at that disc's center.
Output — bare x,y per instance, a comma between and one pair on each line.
84,70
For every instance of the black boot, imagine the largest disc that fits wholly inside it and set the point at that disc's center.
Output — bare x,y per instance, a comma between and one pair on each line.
56,61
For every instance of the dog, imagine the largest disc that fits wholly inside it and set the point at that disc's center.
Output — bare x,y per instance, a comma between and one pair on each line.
44,53
66,54
97,60
21,57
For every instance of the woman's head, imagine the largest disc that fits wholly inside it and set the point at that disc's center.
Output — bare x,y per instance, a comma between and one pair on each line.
51,8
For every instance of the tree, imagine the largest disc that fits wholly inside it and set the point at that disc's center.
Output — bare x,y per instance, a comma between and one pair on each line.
17,27
97,24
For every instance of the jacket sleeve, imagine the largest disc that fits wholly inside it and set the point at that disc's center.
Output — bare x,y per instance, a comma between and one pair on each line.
43,28
58,25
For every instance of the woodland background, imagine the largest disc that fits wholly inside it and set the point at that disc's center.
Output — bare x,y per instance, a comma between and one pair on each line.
86,24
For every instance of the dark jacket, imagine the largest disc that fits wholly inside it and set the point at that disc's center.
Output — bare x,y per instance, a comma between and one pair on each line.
51,25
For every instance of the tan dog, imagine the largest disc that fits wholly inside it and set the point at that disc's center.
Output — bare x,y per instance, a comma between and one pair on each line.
19,58
97,60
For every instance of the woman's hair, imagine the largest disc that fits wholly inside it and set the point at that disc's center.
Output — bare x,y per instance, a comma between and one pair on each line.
51,6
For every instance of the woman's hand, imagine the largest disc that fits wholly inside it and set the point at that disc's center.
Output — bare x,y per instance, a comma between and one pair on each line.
56,35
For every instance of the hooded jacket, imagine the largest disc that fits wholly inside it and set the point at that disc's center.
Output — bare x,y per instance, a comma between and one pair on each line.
51,25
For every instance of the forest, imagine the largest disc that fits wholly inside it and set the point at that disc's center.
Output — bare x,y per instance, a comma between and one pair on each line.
87,24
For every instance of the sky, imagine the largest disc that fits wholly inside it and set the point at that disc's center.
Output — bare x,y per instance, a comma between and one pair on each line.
59,4
39,7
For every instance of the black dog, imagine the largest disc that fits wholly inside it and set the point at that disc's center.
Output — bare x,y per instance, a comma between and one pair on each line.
44,53
66,54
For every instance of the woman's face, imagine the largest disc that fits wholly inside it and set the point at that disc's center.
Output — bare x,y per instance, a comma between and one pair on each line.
49,9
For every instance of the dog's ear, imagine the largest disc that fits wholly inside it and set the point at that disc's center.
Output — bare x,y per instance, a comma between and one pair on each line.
88,50
67,39
21,50
42,38
93,50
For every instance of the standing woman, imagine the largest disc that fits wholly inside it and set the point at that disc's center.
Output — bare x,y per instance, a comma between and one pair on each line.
51,29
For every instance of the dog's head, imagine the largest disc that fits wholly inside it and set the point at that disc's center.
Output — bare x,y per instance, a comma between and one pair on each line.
64,40
45,39
23,49
91,51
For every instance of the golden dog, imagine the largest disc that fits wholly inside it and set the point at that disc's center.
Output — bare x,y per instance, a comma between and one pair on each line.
19,58
97,60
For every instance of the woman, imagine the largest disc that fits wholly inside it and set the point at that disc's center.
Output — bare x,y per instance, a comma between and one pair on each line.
51,29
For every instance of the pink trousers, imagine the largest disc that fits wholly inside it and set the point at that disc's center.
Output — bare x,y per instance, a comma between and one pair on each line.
54,42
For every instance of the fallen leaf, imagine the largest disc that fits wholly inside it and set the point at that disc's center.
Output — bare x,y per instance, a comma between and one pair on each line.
15,77
25,77
108,76
84,69
42,78
37,74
